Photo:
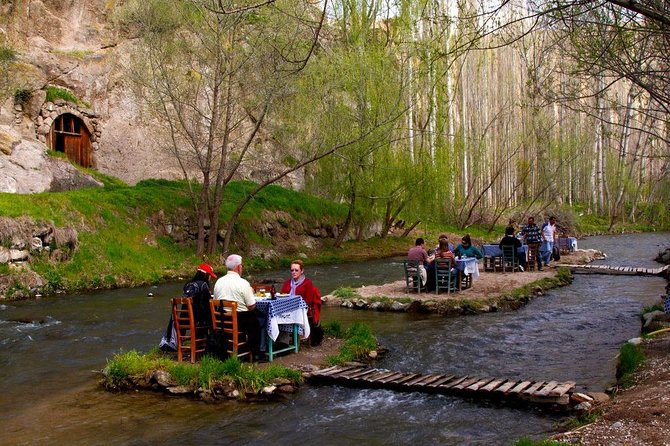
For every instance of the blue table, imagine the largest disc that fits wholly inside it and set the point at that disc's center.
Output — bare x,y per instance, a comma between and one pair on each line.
288,314
495,251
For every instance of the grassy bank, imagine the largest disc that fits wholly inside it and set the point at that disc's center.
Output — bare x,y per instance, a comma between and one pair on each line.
121,242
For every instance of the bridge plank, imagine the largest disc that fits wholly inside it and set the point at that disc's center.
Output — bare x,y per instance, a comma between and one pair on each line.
349,373
562,389
466,383
454,382
363,373
430,380
476,386
380,377
406,378
547,388
417,379
391,377
441,381
519,387
338,370
532,389
492,385
326,370
379,374
508,385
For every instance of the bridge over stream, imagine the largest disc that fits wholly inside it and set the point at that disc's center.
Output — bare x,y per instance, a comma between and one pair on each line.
618,270
552,393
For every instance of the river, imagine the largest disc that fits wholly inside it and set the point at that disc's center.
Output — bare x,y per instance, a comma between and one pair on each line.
49,368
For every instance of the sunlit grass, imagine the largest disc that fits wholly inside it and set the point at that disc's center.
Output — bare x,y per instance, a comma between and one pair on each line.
359,341
247,377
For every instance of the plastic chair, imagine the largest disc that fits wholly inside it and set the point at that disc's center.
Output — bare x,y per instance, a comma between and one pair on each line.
413,276
445,279
191,340
224,320
510,259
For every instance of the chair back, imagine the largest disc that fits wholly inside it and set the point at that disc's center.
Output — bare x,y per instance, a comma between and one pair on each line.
412,276
191,340
224,320
445,279
533,255
509,258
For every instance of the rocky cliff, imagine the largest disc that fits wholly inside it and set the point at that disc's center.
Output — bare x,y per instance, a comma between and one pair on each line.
75,45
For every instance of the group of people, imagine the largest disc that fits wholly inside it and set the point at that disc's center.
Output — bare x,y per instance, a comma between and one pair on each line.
443,250
233,287
543,239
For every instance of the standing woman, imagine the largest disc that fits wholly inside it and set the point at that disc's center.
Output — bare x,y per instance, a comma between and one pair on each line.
299,285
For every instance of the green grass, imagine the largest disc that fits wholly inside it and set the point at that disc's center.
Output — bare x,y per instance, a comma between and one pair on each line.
583,419
247,377
359,341
54,93
117,247
630,358
346,293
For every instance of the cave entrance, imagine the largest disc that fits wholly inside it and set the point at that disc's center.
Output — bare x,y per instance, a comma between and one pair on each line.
69,135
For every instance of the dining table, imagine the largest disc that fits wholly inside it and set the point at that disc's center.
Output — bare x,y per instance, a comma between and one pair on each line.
467,268
283,314
492,250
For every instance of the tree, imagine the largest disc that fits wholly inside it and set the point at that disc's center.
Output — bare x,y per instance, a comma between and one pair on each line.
211,72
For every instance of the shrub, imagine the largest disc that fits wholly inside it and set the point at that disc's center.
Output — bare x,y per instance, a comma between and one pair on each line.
22,96
359,342
54,93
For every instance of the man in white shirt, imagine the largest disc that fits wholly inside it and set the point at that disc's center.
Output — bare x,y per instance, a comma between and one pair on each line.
548,238
233,287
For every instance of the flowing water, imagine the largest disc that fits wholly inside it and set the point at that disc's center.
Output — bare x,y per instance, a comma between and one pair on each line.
52,349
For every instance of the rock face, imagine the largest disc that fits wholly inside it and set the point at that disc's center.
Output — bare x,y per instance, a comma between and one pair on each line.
75,45
26,168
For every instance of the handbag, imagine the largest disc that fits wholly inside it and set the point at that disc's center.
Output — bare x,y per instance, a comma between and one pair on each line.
556,254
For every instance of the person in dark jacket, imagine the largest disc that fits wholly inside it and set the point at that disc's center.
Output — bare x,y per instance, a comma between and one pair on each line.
510,240
198,290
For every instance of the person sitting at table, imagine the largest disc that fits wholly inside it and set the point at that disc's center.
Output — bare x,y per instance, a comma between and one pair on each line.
233,287
419,254
443,251
467,249
299,285
510,240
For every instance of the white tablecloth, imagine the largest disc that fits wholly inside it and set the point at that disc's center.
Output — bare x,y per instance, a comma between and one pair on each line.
468,266
285,310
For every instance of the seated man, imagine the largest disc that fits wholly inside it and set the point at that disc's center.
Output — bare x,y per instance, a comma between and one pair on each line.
510,240
418,254
233,287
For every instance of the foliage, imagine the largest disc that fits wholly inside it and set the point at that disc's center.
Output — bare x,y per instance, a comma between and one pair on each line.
654,307
333,328
346,293
118,245
247,377
630,358
22,96
54,93
583,419
359,341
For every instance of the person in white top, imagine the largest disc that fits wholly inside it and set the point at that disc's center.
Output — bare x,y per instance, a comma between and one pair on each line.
233,287
548,239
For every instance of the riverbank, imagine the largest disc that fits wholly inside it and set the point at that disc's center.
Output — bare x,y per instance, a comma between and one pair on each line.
639,414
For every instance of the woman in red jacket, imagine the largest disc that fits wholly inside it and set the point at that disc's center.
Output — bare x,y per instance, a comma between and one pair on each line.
299,285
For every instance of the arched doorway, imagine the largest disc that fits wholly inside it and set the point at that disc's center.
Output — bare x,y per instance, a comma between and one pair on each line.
69,135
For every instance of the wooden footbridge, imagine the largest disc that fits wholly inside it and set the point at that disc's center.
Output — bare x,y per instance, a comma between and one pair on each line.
552,393
618,270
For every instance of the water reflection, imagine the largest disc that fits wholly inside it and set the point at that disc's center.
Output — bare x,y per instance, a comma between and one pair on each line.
51,349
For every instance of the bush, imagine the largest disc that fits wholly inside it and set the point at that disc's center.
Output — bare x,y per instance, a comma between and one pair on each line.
359,342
